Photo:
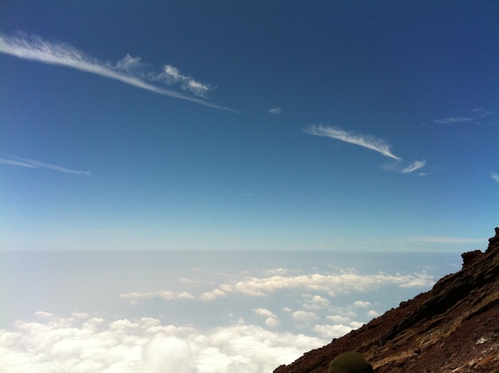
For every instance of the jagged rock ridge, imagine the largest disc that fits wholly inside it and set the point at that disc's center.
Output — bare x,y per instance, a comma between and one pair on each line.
454,327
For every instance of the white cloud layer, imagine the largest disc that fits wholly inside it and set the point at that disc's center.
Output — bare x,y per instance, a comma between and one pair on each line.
126,71
90,344
159,294
332,285
332,331
372,313
315,302
495,176
362,304
304,316
365,141
29,163
249,320
270,318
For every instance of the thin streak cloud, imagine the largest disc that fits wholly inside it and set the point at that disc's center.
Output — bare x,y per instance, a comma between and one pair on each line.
365,141
479,116
36,164
445,240
172,75
35,48
495,176
416,165
454,120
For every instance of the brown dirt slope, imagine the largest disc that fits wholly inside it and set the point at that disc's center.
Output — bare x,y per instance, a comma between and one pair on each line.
454,327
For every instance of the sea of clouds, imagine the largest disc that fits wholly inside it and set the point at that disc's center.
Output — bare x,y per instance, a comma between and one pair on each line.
180,316
81,343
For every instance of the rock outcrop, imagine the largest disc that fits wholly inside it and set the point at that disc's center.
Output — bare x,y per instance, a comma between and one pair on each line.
454,327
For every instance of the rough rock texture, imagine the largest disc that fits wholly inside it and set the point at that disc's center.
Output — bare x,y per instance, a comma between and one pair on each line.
454,327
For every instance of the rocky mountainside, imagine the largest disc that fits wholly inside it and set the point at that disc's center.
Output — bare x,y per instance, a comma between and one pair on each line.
454,327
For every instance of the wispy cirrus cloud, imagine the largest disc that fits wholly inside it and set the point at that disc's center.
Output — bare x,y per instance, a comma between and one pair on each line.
495,176
453,120
130,70
482,112
129,63
172,75
479,116
365,141
275,111
29,163
416,165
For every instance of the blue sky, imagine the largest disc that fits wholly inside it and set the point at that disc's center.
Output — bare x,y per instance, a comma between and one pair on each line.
276,126
236,151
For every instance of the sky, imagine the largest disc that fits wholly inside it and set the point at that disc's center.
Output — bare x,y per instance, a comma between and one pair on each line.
196,187
228,126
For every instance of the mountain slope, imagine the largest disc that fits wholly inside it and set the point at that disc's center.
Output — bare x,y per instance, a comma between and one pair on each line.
454,327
